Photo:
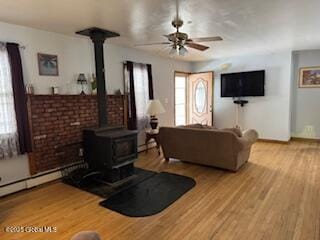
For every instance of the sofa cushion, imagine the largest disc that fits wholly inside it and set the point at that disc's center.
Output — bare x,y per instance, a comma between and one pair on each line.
236,131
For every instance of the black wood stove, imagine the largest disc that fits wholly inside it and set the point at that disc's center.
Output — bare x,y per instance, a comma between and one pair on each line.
111,151
108,150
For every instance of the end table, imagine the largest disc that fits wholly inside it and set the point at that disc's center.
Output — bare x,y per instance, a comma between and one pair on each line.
153,134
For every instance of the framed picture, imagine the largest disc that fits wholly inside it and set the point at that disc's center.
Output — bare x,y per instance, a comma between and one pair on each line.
48,64
309,77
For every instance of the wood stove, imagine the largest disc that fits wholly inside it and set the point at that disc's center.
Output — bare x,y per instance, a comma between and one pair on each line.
111,151
108,150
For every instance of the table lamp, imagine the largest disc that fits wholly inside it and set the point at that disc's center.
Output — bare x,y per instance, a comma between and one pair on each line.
155,107
82,80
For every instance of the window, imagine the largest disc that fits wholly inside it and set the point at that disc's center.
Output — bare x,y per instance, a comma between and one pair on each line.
8,123
180,90
138,76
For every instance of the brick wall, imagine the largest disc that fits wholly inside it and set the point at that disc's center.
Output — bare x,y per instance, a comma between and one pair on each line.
57,122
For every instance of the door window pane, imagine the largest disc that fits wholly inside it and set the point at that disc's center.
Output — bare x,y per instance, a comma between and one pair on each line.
200,96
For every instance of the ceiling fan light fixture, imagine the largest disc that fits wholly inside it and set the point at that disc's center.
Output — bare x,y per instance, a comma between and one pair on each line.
182,50
173,50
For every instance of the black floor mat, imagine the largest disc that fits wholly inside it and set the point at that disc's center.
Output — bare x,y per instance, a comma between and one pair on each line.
104,190
150,196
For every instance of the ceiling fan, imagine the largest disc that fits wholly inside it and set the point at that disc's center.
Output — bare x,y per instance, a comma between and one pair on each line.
179,40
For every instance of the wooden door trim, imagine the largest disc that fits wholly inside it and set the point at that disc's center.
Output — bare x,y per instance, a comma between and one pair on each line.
181,72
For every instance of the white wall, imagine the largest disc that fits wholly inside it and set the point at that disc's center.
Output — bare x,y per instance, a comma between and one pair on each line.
269,115
305,101
75,55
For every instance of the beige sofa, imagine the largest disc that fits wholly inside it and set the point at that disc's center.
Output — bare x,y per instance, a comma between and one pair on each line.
212,147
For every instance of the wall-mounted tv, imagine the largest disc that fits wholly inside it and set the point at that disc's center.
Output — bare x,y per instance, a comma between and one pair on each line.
243,84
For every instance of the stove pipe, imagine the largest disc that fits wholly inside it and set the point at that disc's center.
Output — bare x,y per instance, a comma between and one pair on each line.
98,36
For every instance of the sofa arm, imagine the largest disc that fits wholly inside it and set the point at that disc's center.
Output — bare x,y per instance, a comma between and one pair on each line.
248,138
251,136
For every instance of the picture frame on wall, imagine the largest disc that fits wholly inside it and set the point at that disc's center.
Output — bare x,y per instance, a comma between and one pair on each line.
48,64
309,77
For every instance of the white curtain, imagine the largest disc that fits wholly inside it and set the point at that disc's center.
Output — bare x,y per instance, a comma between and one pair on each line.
9,143
141,88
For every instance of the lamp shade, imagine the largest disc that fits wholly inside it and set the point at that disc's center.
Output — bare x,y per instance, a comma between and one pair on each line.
155,107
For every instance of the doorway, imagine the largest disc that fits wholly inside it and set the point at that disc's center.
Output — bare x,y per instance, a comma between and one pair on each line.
193,98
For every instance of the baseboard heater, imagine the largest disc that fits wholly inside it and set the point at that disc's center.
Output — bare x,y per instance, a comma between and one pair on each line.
34,180
49,176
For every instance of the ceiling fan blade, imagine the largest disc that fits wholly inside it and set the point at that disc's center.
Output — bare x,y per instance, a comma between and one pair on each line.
205,39
196,46
150,44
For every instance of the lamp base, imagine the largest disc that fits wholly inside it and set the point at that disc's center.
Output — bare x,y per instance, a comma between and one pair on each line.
154,122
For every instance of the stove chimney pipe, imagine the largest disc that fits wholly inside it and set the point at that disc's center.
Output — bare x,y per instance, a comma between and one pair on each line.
98,36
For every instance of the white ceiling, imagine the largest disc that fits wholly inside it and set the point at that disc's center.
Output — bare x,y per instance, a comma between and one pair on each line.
247,26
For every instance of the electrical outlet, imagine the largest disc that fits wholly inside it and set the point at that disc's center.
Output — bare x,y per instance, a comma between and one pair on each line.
309,129
80,152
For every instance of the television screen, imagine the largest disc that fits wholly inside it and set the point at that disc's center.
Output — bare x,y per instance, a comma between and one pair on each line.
242,84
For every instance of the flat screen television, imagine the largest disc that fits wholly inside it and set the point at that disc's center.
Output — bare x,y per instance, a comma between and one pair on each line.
243,84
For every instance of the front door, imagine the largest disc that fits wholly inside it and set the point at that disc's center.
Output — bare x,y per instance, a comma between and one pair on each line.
200,98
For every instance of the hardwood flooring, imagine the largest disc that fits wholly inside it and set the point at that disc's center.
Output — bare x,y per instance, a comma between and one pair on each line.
275,196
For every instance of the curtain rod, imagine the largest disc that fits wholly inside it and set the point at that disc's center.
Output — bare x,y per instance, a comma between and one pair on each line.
20,46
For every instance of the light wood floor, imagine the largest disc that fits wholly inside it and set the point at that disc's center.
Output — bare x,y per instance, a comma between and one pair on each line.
275,196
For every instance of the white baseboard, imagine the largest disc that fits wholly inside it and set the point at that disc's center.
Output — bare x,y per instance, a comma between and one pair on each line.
29,183
43,179
12,188
33,181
